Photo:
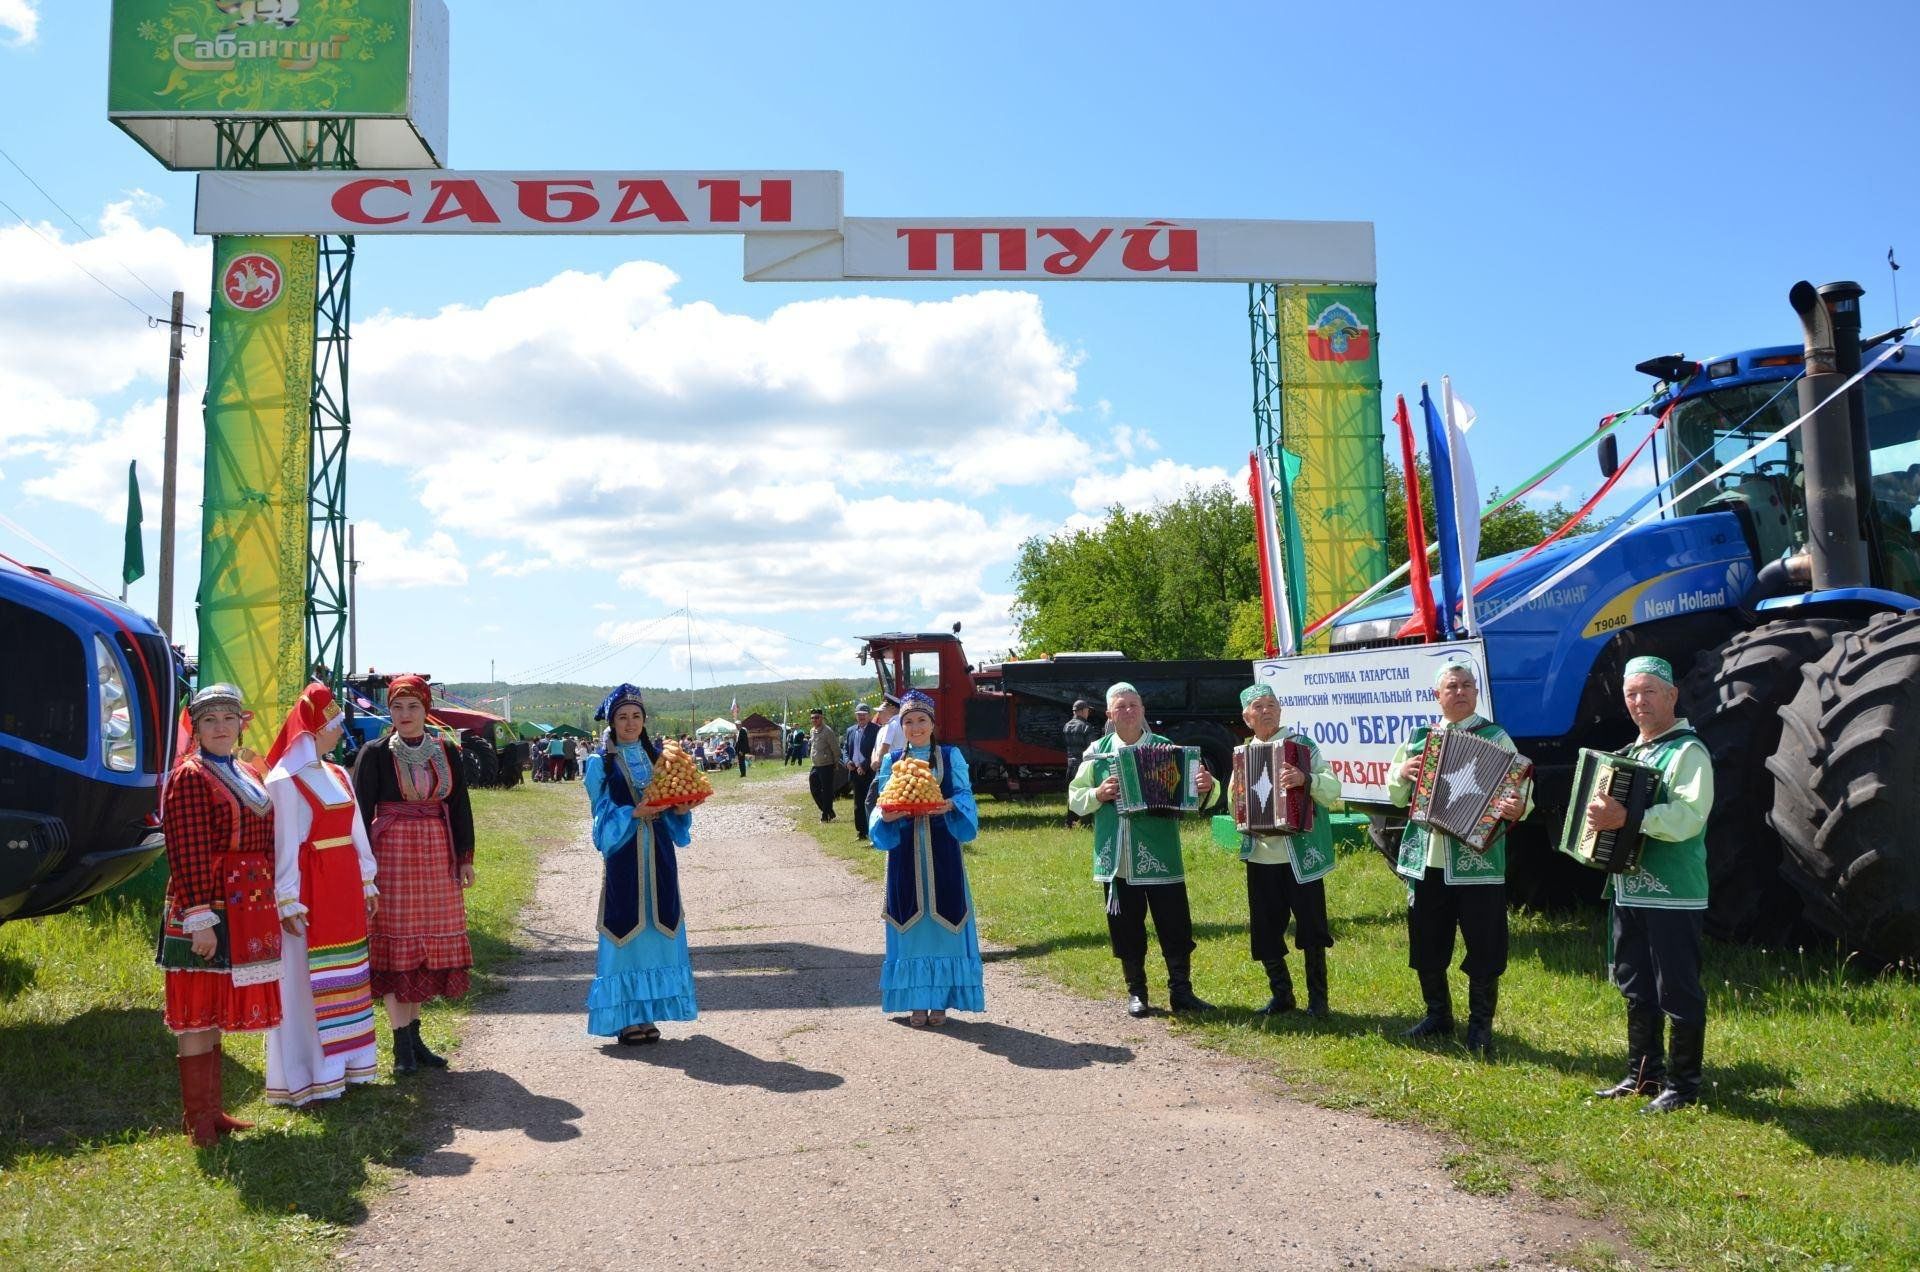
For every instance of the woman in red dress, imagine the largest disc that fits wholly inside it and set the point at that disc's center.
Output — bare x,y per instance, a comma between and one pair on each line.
413,795
220,933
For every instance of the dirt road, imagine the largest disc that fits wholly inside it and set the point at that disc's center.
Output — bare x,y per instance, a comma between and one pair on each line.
793,1125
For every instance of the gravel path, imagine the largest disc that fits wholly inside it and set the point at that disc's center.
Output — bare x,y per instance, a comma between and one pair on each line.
793,1125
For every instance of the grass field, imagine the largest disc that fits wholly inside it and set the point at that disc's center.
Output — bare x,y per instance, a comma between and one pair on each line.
94,1171
1805,1153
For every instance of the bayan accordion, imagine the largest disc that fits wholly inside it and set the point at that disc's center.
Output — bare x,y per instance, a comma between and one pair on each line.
1461,778
1158,779
1261,806
1635,785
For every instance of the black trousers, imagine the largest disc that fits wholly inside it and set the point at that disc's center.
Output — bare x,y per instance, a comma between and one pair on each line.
820,783
861,781
1656,960
1172,921
1274,895
743,763
1477,910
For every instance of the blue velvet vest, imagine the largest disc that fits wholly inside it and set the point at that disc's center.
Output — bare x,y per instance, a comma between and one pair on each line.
925,875
642,882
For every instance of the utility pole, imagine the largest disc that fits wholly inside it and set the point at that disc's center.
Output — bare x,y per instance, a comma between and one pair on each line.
353,606
171,462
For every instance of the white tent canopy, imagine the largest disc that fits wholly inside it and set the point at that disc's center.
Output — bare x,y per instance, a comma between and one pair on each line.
715,727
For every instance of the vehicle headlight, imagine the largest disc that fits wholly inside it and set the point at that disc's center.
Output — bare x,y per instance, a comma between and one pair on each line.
1360,633
117,742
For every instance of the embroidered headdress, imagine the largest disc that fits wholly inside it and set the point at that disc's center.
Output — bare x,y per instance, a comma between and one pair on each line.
1648,665
312,713
1262,690
1449,666
621,695
410,687
914,700
1119,687
218,698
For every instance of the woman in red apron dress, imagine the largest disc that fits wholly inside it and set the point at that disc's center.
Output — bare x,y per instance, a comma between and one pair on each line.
414,795
323,884
220,933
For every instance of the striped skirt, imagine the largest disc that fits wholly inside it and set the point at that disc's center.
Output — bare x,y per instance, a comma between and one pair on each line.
418,940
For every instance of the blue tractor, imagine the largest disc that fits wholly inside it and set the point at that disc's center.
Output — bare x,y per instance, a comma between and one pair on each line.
88,694
1787,595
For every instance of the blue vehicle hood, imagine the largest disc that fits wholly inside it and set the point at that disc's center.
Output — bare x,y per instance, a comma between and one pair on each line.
1516,582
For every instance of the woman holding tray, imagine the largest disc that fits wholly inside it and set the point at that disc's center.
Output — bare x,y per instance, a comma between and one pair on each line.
933,945
643,973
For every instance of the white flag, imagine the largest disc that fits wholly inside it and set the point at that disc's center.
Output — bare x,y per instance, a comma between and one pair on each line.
1466,497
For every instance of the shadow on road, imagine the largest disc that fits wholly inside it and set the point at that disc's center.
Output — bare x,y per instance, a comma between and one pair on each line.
488,1100
706,1059
1027,1049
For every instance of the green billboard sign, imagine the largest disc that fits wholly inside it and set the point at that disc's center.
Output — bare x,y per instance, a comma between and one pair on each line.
209,60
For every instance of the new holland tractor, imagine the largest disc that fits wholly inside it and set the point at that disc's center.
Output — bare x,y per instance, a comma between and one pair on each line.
1786,594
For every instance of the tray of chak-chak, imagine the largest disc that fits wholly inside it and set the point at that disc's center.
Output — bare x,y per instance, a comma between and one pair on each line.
677,781
911,789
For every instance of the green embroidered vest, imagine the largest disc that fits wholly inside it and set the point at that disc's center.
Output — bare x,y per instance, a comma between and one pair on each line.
1672,875
1150,845
1311,854
1464,864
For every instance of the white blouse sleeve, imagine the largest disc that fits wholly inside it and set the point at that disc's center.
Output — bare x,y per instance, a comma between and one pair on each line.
290,822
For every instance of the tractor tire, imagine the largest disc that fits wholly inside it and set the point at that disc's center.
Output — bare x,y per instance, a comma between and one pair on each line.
1846,799
488,760
1732,697
469,764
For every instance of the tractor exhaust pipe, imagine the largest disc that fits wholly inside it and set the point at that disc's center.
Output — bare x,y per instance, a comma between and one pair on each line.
1832,442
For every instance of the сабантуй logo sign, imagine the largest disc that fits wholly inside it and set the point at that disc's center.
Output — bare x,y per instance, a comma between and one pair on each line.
252,282
238,57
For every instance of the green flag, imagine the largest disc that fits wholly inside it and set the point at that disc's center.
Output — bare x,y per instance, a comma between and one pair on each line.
134,563
1295,549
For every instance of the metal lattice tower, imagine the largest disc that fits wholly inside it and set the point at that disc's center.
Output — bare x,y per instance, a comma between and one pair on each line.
1263,307
294,145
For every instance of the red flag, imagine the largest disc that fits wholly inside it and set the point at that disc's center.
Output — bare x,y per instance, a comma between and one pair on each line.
1425,622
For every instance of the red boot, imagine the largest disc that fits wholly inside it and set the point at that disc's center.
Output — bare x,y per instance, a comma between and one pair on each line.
200,1097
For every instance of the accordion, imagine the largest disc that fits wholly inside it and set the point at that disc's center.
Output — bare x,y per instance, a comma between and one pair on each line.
1461,778
1261,806
1635,785
1158,779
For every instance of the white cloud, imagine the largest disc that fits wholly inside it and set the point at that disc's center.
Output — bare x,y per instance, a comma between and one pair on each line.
391,559
1139,488
19,21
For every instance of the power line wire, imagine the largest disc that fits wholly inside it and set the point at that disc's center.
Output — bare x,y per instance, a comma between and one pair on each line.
54,244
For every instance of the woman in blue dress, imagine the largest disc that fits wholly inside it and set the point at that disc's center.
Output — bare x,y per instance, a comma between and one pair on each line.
643,973
933,946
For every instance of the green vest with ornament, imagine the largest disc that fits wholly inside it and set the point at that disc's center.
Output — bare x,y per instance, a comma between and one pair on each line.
1672,873
1140,849
1465,864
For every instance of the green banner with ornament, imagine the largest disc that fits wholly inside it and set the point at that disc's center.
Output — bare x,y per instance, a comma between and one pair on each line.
305,58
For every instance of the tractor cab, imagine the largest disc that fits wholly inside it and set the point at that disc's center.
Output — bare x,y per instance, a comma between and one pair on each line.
1723,408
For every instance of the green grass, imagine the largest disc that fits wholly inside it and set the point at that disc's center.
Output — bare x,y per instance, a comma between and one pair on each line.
94,1171
1806,1151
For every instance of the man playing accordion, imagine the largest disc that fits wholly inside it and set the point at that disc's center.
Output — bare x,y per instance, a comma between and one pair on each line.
1660,908
1453,885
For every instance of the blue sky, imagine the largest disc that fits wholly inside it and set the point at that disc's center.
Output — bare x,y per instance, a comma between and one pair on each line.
1556,194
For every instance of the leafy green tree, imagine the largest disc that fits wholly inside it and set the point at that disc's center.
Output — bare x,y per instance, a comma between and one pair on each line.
1509,530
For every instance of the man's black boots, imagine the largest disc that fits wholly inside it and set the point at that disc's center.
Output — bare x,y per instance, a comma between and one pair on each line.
1483,996
1316,961
1646,1055
1282,986
1683,1071
1180,995
1438,1022
1136,973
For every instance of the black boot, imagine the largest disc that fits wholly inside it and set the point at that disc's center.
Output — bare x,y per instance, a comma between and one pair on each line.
1483,996
1180,995
420,1052
404,1060
1683,1075
1316,961
1136,972
1438,1022
1282,986
1646,1055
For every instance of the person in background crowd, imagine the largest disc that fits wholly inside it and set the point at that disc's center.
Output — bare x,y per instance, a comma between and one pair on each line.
856,751
741,745
891,736
933,944
796,747
1076,735
643,973
556,759
824,751
413,794
1139,860
220,933
1451,885
324,886
1660,909
1285,872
